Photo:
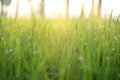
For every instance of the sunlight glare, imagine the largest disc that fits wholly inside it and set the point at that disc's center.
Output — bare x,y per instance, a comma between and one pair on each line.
57,8
54,8
23,8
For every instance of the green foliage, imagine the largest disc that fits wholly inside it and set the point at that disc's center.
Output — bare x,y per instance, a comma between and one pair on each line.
58,49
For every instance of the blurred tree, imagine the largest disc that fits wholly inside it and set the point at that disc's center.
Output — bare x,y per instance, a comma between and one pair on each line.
99,8
4,3
32,11
92,9
17,8
42,11
67,8
82,9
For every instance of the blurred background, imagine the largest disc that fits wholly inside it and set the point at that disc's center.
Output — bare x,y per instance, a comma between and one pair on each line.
59,8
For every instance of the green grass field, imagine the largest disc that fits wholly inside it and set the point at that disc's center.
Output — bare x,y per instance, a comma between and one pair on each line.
59,49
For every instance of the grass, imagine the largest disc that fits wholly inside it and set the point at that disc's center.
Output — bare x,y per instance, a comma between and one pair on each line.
58,49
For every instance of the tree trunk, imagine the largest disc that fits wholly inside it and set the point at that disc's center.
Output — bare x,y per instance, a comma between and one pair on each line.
92,9
17,8
3,4
99,8
42,8
67,9
2,9
82,9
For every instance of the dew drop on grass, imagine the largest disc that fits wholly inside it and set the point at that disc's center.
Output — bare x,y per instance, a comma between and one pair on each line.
85,43
5,42
18,41
2,38
119,36
9,51
10,58
46,36
69,66
113,49
95,39
103,36
115,38
106,43
81,58
107,58
17,75
80,68
39,37
88,28
109,29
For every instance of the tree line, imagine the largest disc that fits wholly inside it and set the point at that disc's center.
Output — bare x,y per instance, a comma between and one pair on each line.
92,13
42,9
4,3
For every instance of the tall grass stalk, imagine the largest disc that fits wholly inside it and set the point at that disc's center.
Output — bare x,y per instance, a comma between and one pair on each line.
59,49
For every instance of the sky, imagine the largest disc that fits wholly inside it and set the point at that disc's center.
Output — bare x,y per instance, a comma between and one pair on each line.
54,8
